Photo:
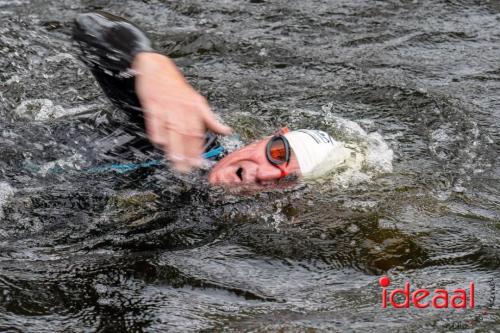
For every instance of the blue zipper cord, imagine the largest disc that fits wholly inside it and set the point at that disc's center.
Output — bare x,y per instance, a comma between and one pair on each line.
127,167
213,153
122,168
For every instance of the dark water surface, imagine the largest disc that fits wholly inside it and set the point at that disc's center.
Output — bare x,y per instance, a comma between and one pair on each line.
154,252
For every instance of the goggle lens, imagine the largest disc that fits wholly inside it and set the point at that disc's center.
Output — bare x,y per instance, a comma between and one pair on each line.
278,150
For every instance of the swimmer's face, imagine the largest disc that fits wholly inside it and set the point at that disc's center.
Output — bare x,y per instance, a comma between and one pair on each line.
249,166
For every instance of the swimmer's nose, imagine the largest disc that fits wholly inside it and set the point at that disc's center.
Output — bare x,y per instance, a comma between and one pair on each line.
246,173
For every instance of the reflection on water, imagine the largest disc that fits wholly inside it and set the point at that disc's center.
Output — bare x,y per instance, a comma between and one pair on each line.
150,251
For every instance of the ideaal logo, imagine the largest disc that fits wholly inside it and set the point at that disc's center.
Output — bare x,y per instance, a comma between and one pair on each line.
423,298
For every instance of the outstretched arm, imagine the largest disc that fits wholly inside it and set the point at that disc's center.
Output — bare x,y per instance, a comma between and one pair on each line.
134,77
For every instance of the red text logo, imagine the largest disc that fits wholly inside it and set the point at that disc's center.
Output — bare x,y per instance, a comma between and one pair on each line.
422,298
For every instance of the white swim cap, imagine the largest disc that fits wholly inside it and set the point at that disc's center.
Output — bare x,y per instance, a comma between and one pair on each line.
317,152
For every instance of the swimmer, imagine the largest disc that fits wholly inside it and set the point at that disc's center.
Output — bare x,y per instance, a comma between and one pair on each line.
153,92
303,153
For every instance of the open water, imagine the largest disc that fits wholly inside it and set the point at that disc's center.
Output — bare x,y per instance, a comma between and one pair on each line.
151,251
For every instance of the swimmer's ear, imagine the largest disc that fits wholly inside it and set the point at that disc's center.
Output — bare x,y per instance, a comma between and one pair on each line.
283,131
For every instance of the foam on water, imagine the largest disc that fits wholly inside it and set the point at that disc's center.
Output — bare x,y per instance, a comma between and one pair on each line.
6,192
13,3
39,109
45,109
72,162
153,252
373,154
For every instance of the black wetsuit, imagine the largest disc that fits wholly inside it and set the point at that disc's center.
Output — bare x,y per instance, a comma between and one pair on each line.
108,46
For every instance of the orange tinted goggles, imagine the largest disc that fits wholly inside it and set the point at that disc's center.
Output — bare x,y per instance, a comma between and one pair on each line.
278,151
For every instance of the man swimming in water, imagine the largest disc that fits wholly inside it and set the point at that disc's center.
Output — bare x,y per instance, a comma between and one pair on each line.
153,92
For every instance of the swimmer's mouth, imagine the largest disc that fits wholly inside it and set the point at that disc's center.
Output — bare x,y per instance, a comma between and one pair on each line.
239,173
243,177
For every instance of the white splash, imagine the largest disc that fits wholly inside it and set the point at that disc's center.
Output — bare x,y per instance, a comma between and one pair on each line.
39,109
73,162
6,192
61,57
378,155
372,153
12,2
44,109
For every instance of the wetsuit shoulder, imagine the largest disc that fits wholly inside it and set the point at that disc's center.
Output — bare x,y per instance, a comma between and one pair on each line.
112,41
108,45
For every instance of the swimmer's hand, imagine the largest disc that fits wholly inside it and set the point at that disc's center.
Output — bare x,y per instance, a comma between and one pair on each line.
176,115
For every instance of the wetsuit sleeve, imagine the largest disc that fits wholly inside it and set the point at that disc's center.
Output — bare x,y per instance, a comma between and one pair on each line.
108,45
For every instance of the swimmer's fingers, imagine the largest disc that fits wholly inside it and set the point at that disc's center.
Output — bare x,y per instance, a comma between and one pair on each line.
184,149
176,152
212,123
198,119
193,146
185,135
154,127
176,114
